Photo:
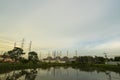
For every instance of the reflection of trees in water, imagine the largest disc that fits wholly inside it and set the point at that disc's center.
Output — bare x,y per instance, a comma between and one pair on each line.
110,77
56,72
29,75
65,71
108,74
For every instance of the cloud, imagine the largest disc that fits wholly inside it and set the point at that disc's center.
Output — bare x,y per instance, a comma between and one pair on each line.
62,24
109,45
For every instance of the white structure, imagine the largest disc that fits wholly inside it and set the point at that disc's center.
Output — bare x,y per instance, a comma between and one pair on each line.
113,62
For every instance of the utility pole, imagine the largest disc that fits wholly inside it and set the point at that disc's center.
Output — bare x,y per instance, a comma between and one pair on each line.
53,54
76,53
14,44
22,44
106,57
60,53
40,56
57,53
48,53
67,53
30,46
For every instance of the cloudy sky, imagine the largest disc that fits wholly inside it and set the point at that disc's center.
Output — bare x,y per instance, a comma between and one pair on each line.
89,26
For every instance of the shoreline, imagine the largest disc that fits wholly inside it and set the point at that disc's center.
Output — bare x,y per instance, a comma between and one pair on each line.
7,67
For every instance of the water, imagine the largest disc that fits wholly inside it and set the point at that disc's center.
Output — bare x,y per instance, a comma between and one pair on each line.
59,73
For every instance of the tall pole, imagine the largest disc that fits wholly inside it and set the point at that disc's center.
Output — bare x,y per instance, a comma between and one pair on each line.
40,56
22,44
67,53
14,44
30,46
48,53
55,54
60,53
76,53
106,57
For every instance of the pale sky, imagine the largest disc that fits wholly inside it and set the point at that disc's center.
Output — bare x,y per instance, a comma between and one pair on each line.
89,26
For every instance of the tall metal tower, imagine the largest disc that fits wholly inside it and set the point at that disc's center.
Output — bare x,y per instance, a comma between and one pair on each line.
30,45
106,57
14,44
60,53
67,53
76,53
22,44
48,53
54,54
40,56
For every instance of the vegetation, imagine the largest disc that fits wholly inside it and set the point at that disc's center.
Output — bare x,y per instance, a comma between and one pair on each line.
86,62
32,56
6,67
15,54
117,58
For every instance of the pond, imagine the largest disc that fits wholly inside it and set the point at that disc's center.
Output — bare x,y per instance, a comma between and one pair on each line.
60,73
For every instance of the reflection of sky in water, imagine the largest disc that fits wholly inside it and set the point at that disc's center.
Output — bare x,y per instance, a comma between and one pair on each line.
72,74
67,74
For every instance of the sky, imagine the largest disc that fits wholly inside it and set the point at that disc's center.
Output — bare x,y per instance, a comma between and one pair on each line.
89,26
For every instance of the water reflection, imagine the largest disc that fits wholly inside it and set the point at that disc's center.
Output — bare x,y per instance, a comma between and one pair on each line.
60,73
18,75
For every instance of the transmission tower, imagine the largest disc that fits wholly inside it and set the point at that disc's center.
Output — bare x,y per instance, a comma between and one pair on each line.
67,53
14,44
60,53
40,56
106,57
22,44
30,45
76,53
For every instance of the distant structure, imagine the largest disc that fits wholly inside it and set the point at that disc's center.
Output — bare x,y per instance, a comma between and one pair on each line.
48,53
30,45
22,44
40,56
14,44
106,57
67,53
76,53
60,53
54,54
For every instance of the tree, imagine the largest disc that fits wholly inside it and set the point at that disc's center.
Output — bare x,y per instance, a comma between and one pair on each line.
15,53
117,58
23,60
32,56
99,60
85,59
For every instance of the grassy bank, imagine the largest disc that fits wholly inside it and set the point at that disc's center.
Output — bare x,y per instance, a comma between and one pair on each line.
6,67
